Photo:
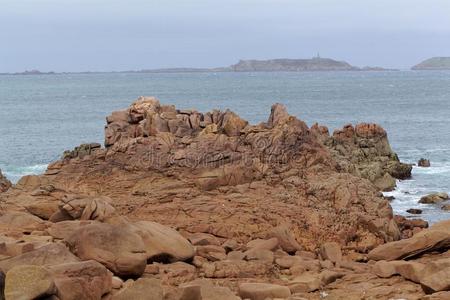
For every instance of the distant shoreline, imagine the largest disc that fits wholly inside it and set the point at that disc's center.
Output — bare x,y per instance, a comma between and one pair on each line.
315,64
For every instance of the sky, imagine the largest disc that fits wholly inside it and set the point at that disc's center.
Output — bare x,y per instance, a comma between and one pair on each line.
111,35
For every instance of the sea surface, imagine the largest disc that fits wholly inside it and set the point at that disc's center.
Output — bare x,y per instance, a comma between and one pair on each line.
43,115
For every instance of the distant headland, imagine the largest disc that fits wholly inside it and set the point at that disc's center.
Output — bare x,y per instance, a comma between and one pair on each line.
434,63
270,65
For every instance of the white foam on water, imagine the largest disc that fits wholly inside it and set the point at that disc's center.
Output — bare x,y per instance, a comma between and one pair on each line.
424,181
15,173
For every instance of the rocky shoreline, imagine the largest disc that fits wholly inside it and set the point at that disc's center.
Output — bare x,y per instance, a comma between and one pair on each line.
187,205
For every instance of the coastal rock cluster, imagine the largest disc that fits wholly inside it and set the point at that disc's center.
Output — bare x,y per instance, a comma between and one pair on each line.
187,205
364,150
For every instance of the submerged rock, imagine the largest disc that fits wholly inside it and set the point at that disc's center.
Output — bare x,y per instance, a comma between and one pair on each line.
414,211
424,163
434,198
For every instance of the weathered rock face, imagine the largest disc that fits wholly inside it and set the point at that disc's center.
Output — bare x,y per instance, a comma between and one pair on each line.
5,184
364,150
214,173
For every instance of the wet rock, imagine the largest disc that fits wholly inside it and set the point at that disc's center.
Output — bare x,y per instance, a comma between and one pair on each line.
423,162
434,198
116,247
445,207
414,211
262,291
28,282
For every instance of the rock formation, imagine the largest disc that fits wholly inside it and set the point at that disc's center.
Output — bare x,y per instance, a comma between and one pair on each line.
364,150
188,205
5,184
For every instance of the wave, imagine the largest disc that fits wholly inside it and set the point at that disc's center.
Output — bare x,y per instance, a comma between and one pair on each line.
436,168
14,173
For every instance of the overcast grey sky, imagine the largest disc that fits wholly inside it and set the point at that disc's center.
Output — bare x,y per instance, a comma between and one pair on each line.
79,35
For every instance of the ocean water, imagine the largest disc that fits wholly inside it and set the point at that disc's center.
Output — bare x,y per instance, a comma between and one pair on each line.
41,116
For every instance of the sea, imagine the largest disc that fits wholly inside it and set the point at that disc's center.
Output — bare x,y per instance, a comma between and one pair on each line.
43,115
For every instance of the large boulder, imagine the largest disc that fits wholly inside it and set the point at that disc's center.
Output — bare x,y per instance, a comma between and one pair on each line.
20,221
87,280
437,237
162,242
117,247
29,282
436,276
51,254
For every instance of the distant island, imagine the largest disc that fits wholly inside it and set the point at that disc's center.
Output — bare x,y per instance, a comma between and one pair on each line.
271,65
434,63
31,72
277,65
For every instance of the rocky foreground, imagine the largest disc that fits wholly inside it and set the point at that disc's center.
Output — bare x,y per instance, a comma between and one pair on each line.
184,205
